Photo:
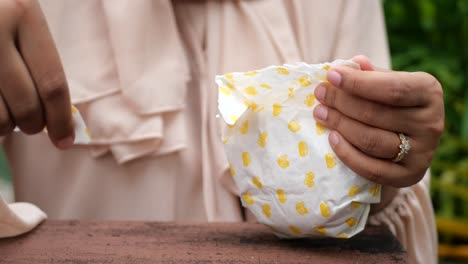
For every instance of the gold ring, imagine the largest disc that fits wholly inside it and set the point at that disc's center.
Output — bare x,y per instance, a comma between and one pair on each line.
404,147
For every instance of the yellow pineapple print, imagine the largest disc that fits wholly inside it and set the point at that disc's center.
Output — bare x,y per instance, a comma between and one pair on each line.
233,171
281,195
303,149
304,81
374,190
234,118
283,161
354,190
266,209
355,205
291,92
294,126
295,230
248,198
256,181
250,90
266,86
277,108
244,129
310,100
321,230
262,139
319,129
251,73
230,86
342,235
254,106
326,67
246,159
325,210
322,77
330,160
225,91
351,221
309,179
282,70
301,208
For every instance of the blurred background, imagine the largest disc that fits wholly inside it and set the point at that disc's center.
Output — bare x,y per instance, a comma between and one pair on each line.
431,36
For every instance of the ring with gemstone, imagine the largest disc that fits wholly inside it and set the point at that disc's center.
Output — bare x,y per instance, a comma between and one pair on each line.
404,146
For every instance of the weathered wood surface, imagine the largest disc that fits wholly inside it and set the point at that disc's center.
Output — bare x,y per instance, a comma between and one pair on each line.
150,242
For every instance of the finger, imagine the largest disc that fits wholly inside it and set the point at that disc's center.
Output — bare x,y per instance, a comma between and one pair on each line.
418,161
364,62
39,52
18,92
368,112
372,141
366,65
6,121
391,88
376,170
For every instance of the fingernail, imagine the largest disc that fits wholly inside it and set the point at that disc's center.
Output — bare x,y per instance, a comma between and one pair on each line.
66,142
334,139
320,92
321,112
334,78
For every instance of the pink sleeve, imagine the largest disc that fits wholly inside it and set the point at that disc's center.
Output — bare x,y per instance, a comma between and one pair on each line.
340,29
361,30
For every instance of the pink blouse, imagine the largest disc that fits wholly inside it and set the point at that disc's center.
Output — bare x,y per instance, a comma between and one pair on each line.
141,73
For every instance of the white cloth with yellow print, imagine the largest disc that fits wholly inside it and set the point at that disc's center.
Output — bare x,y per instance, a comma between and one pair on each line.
281,161
19,218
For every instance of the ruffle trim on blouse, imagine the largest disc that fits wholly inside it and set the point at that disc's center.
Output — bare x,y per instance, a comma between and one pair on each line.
409,216
127,71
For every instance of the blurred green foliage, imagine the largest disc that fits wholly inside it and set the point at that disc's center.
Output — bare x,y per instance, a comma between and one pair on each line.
4,169
432,36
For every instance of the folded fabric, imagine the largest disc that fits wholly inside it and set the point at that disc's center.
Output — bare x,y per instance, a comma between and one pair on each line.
19,218
281,161
121,55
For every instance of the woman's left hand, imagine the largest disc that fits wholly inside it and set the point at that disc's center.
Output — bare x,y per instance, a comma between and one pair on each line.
367,108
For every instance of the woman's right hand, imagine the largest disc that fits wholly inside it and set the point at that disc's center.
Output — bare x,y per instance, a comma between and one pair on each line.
33,88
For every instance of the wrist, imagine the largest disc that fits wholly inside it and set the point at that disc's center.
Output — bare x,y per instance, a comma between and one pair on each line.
387,195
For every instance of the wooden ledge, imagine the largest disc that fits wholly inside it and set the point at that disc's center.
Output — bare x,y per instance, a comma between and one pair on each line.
154,242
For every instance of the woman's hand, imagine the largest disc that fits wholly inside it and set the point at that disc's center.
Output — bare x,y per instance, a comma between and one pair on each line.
33,88
367,108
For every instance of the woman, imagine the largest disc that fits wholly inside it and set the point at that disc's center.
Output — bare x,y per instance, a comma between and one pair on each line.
141,73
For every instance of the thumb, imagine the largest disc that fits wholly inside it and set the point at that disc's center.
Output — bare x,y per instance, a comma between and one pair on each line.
363,62
366,65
